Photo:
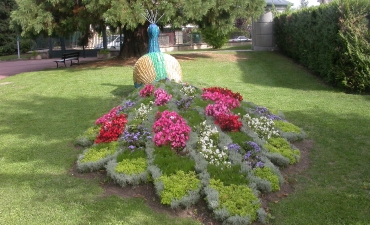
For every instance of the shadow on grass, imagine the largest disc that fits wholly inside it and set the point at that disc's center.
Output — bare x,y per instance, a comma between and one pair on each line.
275,70
47,126
80,198
120,90
333,190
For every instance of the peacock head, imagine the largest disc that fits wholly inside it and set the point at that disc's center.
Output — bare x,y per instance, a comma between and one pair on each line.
153,31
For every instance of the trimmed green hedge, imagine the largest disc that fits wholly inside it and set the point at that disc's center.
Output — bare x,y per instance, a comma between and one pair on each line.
332,40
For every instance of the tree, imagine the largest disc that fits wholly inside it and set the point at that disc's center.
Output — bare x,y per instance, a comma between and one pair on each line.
52,17
221,18
304,4
7,36
56,17
129,15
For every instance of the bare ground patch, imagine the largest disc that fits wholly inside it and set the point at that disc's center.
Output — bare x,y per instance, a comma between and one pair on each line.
116,61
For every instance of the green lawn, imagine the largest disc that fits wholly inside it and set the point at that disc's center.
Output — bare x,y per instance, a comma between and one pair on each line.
42,112
14,57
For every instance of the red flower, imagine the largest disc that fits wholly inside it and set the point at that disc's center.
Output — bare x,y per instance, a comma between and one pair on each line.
111,130
228,122
224,91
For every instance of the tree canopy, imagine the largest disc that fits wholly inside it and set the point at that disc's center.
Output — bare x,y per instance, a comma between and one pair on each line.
303,4
61,17
7,36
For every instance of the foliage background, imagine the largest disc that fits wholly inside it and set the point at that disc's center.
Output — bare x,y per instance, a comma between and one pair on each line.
332,40
7,36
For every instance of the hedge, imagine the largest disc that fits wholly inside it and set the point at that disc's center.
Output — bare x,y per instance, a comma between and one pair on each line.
332,40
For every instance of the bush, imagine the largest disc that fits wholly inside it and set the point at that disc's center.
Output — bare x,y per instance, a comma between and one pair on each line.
238,199
267,174
178,185
282,146
131,166
25,45
214,38
100,151
331,40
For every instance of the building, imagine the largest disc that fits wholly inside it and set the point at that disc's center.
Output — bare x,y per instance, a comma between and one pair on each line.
262,29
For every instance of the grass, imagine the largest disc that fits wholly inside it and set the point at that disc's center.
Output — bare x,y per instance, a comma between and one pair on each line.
42,113
14,57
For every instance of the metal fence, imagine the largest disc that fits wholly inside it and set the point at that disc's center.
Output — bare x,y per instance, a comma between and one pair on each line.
166,39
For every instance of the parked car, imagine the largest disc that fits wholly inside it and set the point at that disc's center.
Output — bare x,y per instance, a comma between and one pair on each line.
240,39
113,42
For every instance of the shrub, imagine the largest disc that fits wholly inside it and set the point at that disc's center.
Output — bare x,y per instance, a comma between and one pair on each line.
287,127
282,146
100,151
331,40
88,137
104,51
131,166
267,174
214,38
25,45
177,185
238,199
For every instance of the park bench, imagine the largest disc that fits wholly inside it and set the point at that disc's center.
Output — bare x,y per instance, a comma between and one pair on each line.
69,57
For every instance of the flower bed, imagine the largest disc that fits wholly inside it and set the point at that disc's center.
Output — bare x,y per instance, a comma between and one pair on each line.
195,143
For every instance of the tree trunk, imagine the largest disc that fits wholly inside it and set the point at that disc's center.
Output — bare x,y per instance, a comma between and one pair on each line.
135,42
104,31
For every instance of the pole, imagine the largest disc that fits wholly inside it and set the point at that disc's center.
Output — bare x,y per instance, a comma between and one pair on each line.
19,55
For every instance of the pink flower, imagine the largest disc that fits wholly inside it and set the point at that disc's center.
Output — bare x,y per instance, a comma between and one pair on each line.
161,97
230,102
147,91
225,100
170,128
217,109
109,116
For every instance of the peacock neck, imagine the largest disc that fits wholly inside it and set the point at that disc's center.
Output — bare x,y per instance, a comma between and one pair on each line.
153,33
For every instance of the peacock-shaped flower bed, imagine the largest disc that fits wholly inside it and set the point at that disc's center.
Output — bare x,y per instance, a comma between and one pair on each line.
194,143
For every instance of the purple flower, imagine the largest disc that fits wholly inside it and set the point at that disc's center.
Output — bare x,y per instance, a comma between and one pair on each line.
265,112
261,110
247,155
126,105
184,103
234,147
260,164
135,137
274,117
254,145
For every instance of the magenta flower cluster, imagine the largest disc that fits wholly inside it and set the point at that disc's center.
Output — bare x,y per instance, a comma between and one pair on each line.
217,109
147,91
161,97
109,116
224,100
170,128
217,97
223,103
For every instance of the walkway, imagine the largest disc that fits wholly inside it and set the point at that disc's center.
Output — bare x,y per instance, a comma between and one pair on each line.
13,67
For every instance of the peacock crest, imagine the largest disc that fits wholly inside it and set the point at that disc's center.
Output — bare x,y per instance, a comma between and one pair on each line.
155,65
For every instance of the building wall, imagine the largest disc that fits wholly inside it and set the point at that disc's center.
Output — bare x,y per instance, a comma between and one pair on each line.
263,32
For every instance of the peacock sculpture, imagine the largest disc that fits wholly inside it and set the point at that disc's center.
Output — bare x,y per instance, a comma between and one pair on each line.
155,65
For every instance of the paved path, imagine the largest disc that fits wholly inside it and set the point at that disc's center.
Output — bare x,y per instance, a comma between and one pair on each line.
13,67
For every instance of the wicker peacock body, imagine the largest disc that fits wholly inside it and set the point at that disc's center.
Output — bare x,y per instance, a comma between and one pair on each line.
155,65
